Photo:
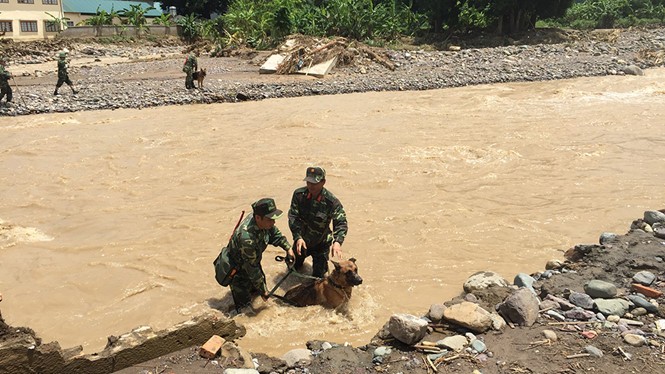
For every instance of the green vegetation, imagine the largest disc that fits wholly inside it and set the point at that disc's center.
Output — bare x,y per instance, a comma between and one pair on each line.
264,23
591,14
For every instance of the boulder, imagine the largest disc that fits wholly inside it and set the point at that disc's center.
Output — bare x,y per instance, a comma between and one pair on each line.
600,289
654,216
407,328
612,307
521,307
644,277
581,300
455,343
469,315
482,280
295,356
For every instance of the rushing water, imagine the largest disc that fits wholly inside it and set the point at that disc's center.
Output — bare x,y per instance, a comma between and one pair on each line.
111,219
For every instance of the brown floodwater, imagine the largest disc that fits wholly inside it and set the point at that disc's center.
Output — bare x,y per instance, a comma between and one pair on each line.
111,219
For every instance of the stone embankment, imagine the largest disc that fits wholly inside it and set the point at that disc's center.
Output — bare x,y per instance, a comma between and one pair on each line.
602,310
139,82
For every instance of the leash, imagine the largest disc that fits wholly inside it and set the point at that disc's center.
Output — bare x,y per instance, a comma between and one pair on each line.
294,271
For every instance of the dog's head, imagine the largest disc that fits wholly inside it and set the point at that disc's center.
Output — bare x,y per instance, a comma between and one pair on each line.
346,273
202,73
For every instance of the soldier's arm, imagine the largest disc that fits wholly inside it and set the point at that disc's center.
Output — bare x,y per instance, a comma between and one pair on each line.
295,223
340,226
279,240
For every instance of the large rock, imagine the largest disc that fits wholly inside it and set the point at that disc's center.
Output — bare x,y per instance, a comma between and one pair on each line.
644,277
600,289
653,216
612,307
469,315
455,343
295,356
639,301
238,355
581,300
521,307
407,328
526,281
435,313
482,280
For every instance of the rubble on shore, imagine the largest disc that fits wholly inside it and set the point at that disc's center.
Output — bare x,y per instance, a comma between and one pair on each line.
602,309
136,81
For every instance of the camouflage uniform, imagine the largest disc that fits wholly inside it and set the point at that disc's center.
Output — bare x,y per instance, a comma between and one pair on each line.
63,75
246,249
309,219
5,88
191,65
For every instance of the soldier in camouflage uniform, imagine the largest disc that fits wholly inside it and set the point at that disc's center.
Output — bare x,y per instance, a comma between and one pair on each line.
63,75
312,210
5,76
191,65
246,248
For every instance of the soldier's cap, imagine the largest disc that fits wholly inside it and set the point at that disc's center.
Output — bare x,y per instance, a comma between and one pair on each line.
62,54
315,174
266,208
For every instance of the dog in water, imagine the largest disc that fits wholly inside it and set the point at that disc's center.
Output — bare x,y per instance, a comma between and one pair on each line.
199,76
331,291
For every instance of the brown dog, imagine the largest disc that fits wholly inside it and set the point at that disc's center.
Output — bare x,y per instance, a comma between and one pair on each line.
332,291
199,76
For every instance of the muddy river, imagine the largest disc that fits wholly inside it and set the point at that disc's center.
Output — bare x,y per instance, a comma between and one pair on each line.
111,219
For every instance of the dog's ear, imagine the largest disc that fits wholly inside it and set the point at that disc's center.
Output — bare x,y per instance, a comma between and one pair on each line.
337,266
352,260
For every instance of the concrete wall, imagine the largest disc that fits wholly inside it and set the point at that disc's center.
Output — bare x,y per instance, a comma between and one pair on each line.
106,31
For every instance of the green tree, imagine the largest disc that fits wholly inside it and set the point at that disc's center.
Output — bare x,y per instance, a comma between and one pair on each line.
59,22
201,8
164,19
100,19
135,16
191,27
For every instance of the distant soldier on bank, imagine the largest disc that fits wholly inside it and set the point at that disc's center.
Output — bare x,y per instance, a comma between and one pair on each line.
5,76
191,65
63,74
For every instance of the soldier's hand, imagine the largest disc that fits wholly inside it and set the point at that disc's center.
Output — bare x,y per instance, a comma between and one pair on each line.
265,296
290,258
336,250
300,245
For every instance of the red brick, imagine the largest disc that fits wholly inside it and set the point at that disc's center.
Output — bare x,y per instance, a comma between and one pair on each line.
647,291
211,347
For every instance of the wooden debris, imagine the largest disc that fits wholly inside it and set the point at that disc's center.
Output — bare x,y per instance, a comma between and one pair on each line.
537,344
381,60
579,355
301,55
429,362
427,348
570,323
623,353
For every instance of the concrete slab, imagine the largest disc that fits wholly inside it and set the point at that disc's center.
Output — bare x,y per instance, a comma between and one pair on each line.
319,70
271,65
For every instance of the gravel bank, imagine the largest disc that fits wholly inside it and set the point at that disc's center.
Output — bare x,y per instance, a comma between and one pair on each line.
131,76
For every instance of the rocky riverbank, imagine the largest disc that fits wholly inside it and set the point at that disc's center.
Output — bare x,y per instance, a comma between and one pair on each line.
601,310
149,74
